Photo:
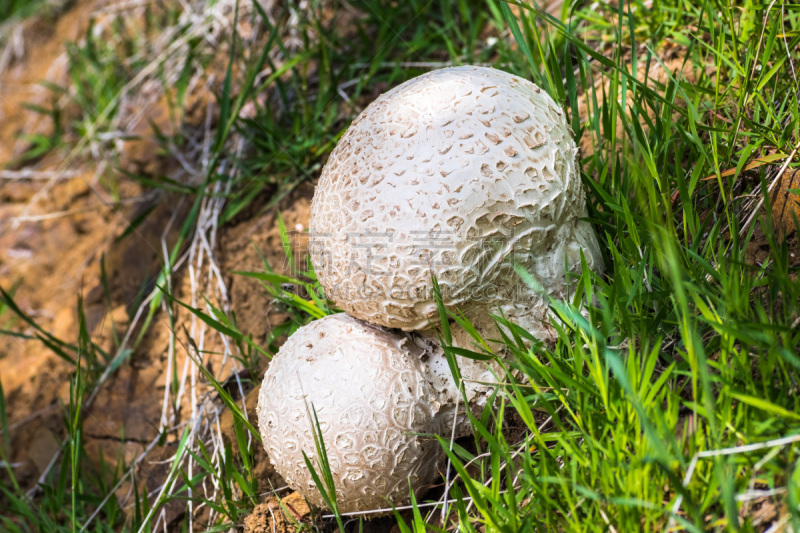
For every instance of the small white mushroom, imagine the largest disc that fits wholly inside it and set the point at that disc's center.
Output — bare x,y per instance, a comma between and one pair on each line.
376,393
459,173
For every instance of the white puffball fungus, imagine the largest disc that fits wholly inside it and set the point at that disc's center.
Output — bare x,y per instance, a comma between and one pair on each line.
374,394
459,173
462,174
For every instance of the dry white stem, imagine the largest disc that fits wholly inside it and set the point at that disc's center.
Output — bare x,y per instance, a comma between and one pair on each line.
385,510
778,526
687,478
211,22
31,174
757,494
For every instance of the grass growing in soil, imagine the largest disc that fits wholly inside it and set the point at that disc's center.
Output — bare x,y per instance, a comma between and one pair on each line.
670,400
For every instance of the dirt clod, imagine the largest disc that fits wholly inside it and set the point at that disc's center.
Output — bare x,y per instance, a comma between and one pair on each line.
276,516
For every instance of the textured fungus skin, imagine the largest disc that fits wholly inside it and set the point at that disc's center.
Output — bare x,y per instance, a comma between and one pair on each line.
459,173
373,393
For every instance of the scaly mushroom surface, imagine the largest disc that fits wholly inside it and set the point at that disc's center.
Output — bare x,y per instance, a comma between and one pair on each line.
459,173
375,394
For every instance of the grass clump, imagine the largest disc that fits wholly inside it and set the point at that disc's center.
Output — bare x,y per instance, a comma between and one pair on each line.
668,399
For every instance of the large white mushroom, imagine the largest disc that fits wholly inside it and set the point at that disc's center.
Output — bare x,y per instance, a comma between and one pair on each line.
459,173
379,396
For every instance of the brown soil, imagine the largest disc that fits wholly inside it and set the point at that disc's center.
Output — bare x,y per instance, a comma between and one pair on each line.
45,59
281,516
58,235
63,234
259,234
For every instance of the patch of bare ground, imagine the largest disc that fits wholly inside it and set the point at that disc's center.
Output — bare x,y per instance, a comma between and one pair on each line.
278,515
63,234
40,55
48,261
291,513
242,246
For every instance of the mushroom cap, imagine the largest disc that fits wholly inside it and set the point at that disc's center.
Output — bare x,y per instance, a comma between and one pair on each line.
458,173
374,396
